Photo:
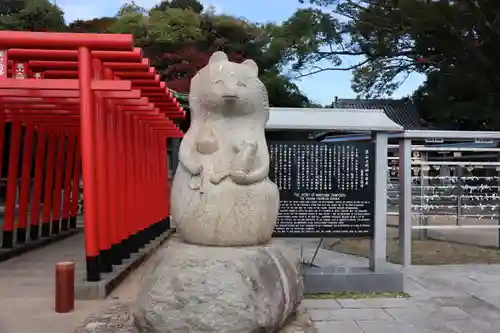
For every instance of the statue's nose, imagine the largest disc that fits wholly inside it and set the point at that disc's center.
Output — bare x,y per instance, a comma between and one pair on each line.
229,93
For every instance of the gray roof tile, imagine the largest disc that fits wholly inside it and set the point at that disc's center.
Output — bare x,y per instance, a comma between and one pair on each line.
400,111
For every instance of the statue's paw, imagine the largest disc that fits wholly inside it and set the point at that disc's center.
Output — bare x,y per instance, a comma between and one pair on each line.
217,178
239,176
195,183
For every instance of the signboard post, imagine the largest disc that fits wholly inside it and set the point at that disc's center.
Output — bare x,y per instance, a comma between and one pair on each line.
326,189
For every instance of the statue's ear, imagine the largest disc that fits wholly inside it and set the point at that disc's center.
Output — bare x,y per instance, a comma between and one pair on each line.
252,65
218,56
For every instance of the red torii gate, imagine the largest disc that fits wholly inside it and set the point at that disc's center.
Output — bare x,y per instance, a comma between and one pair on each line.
89,105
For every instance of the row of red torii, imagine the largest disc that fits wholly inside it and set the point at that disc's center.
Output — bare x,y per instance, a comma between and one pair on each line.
84,106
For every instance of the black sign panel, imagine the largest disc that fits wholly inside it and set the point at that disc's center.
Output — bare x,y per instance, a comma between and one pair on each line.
326,189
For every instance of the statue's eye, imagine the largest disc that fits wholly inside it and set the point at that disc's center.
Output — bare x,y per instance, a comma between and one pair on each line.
241,84
218,81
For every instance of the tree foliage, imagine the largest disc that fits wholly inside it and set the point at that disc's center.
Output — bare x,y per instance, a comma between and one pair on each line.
8,7
193,5
184,64
177,35
454,43
174,25
31,15
96,25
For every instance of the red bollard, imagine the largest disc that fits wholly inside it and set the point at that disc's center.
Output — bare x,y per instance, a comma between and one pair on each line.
65,287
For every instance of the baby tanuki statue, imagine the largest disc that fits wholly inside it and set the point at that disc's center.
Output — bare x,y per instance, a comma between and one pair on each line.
223,276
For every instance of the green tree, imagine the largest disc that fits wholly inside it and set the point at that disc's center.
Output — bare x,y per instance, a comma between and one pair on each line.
96,25
174,25
8,7
454,43
178,37
34,15
131,19
282,91
193,5
240,40
158,30
131,7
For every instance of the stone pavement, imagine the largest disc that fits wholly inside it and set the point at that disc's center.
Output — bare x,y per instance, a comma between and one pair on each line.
27,285
447,299
455,299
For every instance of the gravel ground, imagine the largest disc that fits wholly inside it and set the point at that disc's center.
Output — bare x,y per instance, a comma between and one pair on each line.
424,252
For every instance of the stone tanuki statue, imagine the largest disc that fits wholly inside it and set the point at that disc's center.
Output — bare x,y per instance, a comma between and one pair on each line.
221,193
222,275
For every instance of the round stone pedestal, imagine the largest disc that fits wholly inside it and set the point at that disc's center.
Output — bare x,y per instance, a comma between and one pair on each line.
199,289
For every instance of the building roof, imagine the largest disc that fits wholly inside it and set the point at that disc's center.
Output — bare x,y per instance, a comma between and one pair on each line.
402,112
334,119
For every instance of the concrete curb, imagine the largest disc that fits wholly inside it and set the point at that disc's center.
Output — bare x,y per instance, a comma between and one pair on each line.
100,290
334,279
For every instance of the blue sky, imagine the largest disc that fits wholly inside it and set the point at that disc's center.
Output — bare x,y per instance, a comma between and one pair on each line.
321,88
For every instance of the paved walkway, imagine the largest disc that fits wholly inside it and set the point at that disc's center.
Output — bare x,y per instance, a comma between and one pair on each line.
447,299
27,290
451,299
454,299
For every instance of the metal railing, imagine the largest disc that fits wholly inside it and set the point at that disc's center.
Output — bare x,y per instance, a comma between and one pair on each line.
443,187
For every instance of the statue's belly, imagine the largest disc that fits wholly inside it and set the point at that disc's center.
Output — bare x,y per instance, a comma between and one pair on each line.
224,214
